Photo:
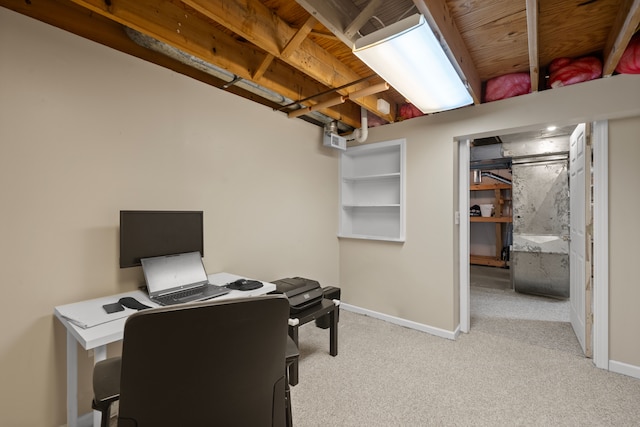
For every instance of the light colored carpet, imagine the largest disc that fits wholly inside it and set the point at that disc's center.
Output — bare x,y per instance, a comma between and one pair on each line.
508,304
505,372
492,296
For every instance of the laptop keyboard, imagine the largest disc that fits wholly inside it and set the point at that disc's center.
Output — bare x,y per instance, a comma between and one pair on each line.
177,296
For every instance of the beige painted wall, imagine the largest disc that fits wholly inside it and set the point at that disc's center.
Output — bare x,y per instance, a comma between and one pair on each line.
624,238
86,131
418,280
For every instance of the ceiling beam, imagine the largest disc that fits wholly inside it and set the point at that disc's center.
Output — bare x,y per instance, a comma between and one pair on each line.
329,103
295,41
441,21
324,35
167,22
532,36
84,23
71,18
255,22
335,15
264,65
380,87
624,27
361,19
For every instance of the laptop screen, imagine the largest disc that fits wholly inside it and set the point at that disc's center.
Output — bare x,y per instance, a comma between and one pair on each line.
171,272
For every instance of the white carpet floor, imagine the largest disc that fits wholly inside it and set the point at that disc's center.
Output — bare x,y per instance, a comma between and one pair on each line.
520,365
505,372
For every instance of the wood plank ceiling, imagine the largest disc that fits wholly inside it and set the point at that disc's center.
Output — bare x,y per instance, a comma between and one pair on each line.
293,54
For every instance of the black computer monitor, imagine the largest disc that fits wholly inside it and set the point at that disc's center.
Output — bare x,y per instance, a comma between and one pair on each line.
145,234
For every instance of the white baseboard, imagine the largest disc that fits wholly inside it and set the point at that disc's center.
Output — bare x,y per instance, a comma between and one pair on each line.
403,322
85,420
624,369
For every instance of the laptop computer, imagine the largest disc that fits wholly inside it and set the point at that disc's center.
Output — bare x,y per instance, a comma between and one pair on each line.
179,278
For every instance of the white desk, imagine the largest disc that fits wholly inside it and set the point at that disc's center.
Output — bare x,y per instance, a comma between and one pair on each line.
97,337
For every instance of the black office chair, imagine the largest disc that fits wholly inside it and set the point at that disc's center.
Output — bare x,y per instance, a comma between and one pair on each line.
212,363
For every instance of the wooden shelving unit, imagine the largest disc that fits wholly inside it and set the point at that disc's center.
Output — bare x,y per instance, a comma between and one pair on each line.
486,260
490,219
500,203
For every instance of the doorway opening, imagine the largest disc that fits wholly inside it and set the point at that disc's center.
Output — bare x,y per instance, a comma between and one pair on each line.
518,190
504,279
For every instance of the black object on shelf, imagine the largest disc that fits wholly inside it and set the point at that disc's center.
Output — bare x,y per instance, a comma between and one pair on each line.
302,293
329,292
244,285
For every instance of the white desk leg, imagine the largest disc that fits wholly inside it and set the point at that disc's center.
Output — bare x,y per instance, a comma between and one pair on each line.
99,354
72,381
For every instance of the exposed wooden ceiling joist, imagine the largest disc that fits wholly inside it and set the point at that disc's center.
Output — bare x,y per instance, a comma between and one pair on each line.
625,25
295,41
285,53
82,22
361,19
532,33
299,37
175,26
270,33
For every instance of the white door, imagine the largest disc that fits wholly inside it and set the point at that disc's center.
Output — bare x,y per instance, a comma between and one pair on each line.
579,279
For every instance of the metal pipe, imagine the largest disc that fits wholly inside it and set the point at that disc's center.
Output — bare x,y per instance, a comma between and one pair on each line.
496,177
369,90
335,89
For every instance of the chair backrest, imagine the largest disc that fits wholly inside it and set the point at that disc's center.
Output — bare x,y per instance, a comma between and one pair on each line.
205,364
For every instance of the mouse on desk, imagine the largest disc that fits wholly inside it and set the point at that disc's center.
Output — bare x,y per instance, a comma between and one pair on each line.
132,303
244,285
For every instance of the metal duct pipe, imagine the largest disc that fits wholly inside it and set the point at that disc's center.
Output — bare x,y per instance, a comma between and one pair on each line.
496,177
222,74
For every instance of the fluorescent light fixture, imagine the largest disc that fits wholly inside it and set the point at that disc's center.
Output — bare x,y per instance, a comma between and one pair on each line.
409,57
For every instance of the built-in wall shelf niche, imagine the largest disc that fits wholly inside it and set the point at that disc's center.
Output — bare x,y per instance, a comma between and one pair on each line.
372,191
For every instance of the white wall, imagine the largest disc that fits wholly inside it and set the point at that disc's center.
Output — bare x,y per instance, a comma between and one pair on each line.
86,131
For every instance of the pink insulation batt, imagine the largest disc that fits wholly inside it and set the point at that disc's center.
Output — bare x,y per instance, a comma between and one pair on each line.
507,86
630,59
567,71
409,111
